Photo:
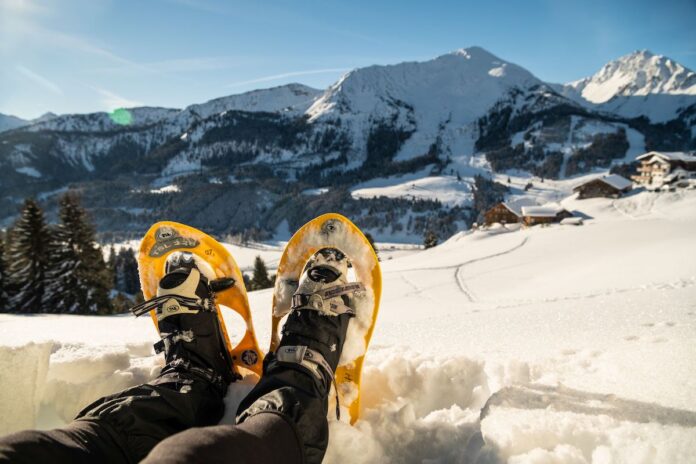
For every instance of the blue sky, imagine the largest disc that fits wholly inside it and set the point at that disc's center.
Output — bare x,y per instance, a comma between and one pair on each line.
95,55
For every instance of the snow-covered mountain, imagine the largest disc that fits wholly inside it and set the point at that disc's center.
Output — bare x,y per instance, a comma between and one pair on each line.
638,84
290,98
439,99
9,122
463,113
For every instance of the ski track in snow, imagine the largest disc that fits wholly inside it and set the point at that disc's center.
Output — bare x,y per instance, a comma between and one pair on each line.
457,269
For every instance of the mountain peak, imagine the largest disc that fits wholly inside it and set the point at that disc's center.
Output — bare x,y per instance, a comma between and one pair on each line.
473,51
639,83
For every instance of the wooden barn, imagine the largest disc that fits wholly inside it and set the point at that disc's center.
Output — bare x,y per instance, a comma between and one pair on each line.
611,186
660,169
506,212
546,214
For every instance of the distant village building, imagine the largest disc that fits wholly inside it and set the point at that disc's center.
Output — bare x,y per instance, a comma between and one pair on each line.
509,212
546,214
611,186
660,170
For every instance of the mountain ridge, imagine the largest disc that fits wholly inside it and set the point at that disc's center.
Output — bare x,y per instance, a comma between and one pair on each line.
459,115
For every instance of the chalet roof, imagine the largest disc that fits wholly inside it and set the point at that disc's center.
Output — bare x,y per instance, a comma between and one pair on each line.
614,180
670,156
617,181
547,210
515,206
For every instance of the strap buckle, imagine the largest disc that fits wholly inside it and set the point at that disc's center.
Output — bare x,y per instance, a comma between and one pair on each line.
311,360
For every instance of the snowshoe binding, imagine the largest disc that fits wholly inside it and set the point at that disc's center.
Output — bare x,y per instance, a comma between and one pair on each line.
187,319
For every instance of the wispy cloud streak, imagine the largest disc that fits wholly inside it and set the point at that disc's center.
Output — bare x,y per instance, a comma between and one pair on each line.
112,101
39,79
276,77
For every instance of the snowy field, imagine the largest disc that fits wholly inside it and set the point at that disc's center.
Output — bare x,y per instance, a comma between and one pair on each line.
578,340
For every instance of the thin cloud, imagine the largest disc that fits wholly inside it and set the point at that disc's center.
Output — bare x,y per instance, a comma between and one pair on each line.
286,75
66,41
39,79
177,65
111,101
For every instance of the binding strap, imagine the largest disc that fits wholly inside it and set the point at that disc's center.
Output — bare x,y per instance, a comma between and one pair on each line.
172,338
149,305
208,374
311,360
319,299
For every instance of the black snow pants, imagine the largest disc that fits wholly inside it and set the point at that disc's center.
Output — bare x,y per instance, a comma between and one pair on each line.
170,420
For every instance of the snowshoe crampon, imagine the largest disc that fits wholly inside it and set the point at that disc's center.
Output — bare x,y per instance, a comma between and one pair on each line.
165,238
334,231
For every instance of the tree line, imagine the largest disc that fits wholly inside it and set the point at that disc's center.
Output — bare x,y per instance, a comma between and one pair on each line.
60,268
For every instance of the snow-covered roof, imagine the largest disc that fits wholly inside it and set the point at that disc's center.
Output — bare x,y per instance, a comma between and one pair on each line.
547,210
670,156
614,180
617,181
515,206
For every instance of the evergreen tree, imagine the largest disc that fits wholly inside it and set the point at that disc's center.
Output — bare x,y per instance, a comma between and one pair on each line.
260,279
430,239
27,260
3,277
111,265
127,269
78,278
369,238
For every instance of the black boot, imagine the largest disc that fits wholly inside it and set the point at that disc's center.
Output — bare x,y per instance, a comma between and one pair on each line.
297,378
188,322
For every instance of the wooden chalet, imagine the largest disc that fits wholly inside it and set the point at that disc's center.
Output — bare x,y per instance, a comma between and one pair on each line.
546,214
506,212
611,186
659,169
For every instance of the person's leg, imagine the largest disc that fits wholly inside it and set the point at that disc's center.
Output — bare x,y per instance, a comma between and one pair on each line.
77,443
189,392
263,439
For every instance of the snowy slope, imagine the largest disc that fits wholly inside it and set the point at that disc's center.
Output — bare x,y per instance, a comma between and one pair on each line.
445,189
580,338
640,83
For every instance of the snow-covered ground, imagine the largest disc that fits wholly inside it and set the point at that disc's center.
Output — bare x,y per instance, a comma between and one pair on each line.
446,189
580,340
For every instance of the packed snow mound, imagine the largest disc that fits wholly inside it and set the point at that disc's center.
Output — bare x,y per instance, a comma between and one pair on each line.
640,83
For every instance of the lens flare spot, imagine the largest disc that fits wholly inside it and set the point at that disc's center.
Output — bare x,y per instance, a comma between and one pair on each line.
121,116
